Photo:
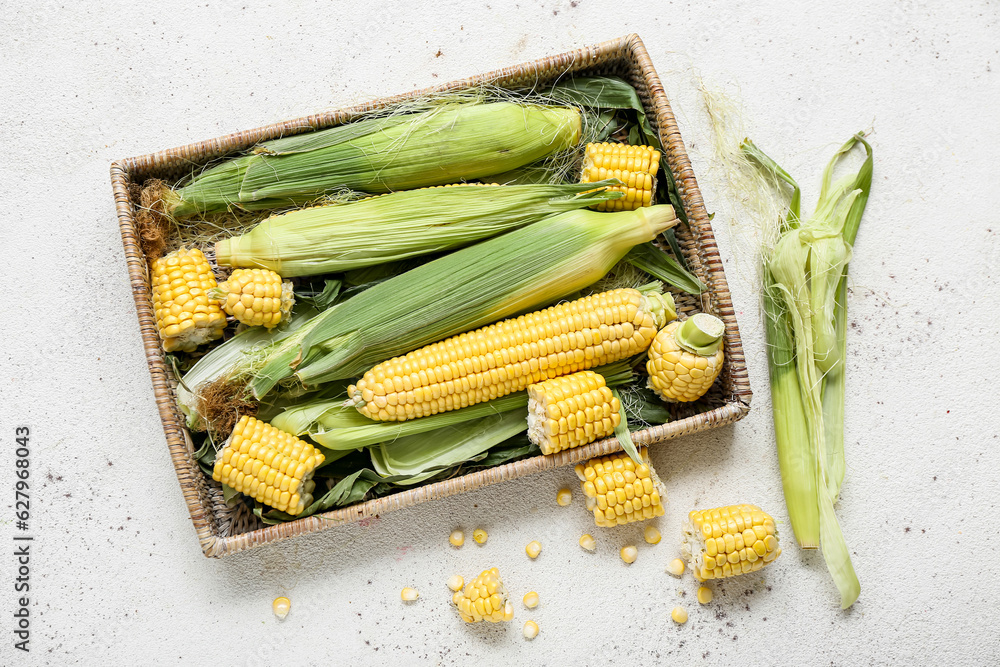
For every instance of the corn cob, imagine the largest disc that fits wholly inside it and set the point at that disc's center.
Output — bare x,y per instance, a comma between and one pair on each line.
452,142
508,356
270,466
395,226
484,599
185,316
255,297
570,411
634,166
618,491
727,541
685,358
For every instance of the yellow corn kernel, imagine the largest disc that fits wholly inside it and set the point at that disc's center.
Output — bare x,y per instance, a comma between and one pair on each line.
582,401
612,498
479,536
281,606
255,297
634,166
680,615
456,582
676,567
530,599
185,317
651,535
484,599
508,356
530,630
680,371
252,445
588,542
457,538
704,594
409,594
533,549
629,553
717,548
564,497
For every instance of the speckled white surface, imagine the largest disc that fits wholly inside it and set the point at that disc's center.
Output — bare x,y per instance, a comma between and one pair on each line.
118,577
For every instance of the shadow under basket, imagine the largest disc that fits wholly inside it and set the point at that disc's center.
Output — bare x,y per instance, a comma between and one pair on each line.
223,530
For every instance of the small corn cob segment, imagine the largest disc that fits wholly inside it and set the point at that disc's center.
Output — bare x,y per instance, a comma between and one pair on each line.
185,316
634,166
728,541
618,491
570,411
269,465
506,357
484,599
685,358
256,297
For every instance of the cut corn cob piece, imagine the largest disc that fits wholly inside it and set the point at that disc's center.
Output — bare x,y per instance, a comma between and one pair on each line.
506,357
727,541
570,411
685,358
270,466
255,297
484,599
185,315
618,491
634,166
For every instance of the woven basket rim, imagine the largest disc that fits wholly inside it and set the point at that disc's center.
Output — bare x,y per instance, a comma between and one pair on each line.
624,50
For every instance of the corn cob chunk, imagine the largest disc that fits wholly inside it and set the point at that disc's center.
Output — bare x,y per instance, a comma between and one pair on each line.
256,297
269,465
727,541
570,411
506,357
618,491
685,358
634,166
185,316
484,599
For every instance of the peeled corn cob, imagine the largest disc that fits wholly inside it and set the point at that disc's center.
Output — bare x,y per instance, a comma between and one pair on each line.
727,541
634,166
185,316
269,465
570,411
484,599
508,356
685,358
618,491
256,297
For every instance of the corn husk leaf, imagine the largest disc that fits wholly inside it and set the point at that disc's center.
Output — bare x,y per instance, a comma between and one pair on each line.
647,257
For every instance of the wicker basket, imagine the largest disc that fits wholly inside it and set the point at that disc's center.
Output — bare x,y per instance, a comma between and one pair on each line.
222,530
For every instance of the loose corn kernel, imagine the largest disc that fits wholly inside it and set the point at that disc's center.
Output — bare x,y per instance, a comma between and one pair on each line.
530,599
588,542
281,606
618,491
457,538
533,549
629,553
488,363
564,497
456,582
676,567
530,629
409,594
651,535
480,536
570,411
680,615
704,594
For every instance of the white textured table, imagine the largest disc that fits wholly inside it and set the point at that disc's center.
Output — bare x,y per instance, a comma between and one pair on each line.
116,572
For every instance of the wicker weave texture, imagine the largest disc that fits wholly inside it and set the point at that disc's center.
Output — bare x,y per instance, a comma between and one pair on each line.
218,532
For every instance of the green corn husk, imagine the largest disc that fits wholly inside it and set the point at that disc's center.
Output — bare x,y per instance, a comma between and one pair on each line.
805,294
468,288
449,143
395,226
